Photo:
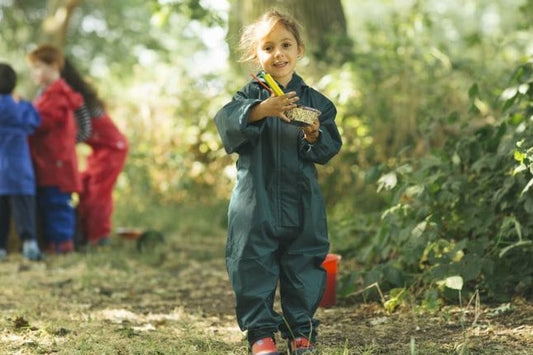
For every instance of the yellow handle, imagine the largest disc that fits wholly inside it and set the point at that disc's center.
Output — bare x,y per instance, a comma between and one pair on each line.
273,85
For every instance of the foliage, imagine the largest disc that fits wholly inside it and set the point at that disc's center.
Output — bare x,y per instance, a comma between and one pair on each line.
464,209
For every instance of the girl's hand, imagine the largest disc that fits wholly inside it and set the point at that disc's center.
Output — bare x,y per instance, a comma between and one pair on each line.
311,132
274,106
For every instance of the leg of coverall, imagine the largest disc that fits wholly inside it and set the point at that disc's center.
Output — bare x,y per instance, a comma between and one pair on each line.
253,271
25,216
5,219
302,282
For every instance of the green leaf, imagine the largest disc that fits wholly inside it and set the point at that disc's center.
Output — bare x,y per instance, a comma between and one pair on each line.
454,282
473,91
519,156
387,181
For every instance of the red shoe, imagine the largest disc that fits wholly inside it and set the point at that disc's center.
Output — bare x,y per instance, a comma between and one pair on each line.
65,247
301,346
60,248
265,346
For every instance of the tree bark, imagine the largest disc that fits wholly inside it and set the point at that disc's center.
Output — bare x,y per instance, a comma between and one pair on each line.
55,24
324,25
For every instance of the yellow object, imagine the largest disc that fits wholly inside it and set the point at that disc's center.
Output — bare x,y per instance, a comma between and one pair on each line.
273,85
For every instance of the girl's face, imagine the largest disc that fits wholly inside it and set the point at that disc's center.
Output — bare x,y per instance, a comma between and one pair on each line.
278,53
44,74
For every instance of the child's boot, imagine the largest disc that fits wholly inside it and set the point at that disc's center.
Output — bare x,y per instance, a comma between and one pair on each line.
31,251
265,346
301,346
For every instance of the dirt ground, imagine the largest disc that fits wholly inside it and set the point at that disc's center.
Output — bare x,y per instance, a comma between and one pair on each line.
174,298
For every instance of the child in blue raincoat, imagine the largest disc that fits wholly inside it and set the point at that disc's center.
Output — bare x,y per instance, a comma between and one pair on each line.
18,119
277,229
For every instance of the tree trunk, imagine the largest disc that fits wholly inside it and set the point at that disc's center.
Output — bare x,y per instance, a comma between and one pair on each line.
55,24
324,25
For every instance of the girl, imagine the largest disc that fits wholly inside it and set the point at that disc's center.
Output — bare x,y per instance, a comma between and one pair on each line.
277,220
109,150
53,149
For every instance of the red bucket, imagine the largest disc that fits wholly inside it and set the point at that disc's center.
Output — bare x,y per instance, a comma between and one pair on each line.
331,264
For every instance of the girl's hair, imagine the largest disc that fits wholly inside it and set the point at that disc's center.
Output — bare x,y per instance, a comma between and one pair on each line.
75,80
48,54
254,32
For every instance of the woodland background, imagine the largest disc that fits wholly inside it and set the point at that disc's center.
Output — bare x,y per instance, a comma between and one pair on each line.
431,191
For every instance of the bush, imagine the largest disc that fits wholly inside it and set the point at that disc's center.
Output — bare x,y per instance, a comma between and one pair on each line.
465,209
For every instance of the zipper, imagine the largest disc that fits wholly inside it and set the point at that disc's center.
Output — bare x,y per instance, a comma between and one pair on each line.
278,171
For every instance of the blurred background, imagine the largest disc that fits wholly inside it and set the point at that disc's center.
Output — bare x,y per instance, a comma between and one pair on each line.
432,97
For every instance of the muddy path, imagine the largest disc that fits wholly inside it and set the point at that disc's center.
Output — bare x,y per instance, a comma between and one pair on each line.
175,299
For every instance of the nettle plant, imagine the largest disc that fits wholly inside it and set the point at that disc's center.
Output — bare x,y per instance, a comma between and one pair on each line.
465,210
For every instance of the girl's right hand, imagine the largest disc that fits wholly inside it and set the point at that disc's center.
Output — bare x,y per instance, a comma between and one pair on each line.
274,106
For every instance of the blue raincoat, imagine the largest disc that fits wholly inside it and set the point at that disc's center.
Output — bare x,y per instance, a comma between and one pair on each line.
17,121
277,230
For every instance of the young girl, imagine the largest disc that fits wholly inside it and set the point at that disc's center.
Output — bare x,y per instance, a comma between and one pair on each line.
53,149
277,218
109,150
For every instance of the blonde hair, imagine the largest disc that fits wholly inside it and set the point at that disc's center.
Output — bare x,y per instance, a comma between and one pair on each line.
48,54
254,32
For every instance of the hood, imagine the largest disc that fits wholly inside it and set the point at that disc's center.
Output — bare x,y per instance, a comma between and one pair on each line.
73,99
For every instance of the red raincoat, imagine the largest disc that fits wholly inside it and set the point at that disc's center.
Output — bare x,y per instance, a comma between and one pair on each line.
53,145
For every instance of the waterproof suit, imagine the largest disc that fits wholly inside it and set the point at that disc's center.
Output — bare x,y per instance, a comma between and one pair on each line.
106,161
277,228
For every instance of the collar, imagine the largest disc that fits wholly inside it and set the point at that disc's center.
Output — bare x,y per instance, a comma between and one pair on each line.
296,83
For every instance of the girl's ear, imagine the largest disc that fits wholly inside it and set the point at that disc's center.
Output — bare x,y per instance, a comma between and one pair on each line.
301,50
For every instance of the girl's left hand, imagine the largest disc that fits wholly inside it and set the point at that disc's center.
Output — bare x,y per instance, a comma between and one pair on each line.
311,132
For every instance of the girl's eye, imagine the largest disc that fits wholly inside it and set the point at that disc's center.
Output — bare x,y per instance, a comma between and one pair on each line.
268,48
286,45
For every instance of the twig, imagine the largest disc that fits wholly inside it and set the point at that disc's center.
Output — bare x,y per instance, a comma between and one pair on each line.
376,285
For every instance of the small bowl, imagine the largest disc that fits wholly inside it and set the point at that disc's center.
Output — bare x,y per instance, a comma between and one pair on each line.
129,233
303,115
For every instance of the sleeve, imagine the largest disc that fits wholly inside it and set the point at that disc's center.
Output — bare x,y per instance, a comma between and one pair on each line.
232,123
51,108
329,141
30,116
83,122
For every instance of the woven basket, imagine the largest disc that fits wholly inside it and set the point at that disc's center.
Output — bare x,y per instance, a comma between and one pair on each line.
303,114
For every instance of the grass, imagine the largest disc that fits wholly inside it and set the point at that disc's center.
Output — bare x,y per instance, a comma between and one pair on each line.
175,298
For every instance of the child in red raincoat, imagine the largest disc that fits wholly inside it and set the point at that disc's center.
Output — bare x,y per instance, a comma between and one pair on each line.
106,161
53,149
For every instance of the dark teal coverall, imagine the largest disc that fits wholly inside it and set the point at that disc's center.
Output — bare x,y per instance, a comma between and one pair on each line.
277,228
